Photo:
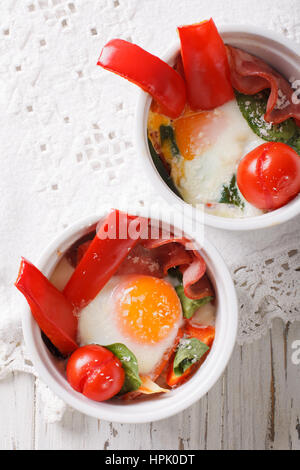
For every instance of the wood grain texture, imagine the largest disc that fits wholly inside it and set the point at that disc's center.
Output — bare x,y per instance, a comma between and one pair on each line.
255,405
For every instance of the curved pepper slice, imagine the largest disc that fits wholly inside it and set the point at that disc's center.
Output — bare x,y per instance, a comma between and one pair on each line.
101,260
173,380
206,67
51,310
148,72
204,334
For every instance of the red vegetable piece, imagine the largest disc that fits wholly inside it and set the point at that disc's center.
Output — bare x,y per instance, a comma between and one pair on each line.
173,380
167,356
51,310
95,372
269,176
81,250
206,67
102,259
206,334
147,71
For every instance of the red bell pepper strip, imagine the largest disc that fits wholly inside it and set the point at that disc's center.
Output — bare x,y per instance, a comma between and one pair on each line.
51,310
173,380
147,71
206,67
167,356
81,250
103,257
204,334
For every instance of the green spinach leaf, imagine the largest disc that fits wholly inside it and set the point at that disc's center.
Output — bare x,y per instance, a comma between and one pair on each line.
189,352
167,134
253,108
162,170
189,306
130,366
230,194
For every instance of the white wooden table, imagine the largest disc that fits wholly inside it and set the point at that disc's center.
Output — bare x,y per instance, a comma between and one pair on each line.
255,405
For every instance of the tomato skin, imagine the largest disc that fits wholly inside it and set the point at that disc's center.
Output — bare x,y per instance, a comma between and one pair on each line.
269,176
95,372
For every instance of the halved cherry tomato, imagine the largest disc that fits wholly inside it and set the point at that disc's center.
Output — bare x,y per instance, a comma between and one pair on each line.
95,372
51,310
269,176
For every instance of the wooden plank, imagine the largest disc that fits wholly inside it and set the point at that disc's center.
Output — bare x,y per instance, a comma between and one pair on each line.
215,415
284,400
293,386
278,436
17,412
75,431
246,397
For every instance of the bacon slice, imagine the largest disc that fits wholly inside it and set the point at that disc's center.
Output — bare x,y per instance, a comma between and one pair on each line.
154,257
250,75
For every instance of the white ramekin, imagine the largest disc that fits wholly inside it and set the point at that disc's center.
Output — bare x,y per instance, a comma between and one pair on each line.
161,406
279,52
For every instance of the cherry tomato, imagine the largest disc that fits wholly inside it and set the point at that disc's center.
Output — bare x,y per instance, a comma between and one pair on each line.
96,372
269,176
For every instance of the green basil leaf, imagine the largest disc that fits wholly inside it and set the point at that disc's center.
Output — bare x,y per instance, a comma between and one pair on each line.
253,108
162,170
189,352
230,194
129,362
167,134
189,306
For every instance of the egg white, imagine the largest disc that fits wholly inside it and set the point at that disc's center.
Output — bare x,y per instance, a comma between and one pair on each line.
98,325
205,175
205,315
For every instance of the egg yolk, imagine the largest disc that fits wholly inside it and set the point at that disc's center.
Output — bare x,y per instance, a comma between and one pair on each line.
195,132
147,308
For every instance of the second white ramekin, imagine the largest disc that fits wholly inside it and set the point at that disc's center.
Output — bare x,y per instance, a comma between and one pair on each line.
159,407
280,53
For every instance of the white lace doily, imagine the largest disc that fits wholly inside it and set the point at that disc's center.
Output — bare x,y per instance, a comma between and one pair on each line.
67,146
